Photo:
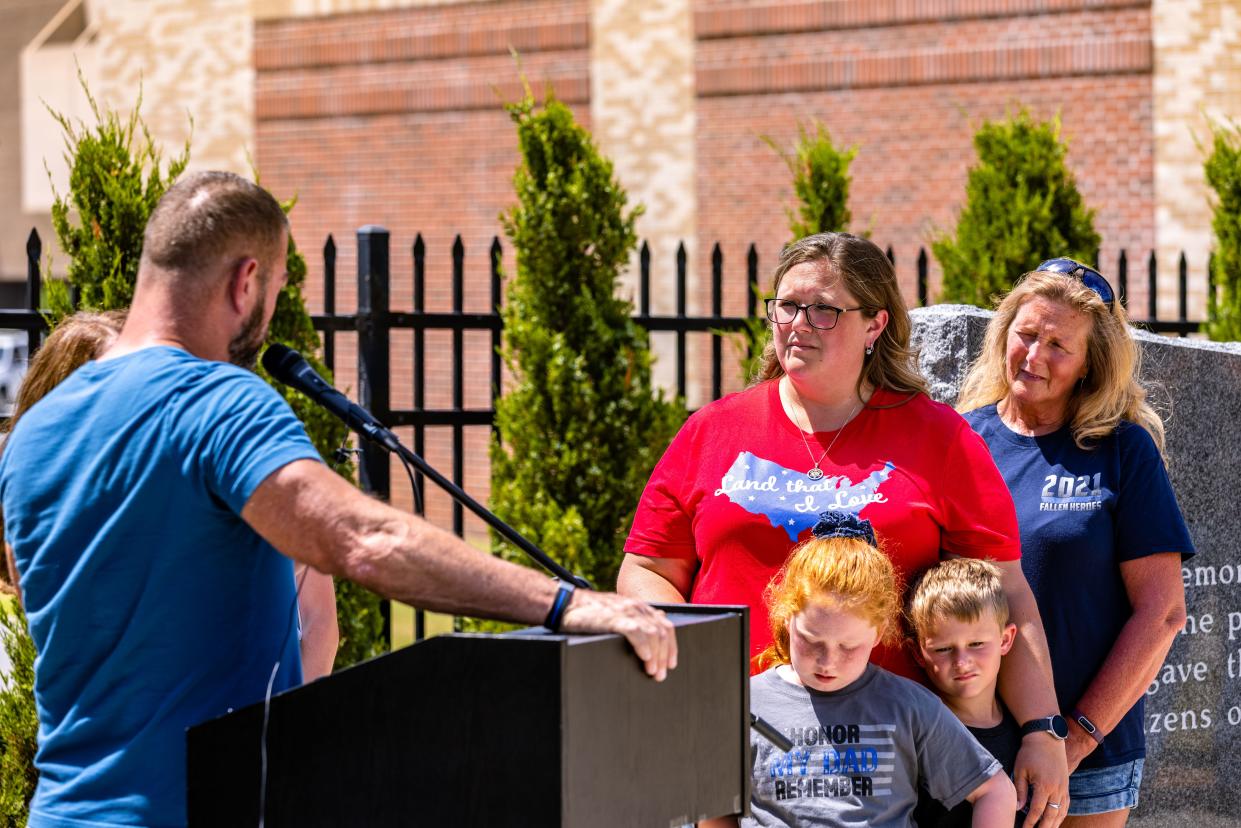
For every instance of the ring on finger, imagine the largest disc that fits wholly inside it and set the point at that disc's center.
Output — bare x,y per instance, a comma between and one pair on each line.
1053,805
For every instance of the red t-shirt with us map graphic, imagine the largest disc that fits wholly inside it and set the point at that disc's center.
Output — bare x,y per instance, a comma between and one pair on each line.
732,494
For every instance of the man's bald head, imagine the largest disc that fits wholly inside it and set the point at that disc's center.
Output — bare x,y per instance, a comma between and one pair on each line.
209,219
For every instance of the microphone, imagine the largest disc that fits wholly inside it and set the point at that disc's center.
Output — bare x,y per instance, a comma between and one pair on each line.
291,368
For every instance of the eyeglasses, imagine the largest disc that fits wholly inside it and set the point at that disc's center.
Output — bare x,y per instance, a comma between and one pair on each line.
821,316
1089,277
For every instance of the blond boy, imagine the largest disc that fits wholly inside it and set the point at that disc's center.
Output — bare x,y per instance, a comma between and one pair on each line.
959,620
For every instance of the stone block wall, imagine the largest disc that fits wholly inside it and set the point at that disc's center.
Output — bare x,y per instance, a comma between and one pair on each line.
642,108
191,59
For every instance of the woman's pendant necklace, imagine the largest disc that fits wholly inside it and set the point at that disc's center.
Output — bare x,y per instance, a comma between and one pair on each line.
815,472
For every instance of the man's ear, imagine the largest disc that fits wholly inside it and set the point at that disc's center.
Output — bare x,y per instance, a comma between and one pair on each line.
1007,637
243,285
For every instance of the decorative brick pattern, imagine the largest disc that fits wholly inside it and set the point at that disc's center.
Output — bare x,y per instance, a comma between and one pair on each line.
748,18
987,64
1197,78
273,9
191,60
364,90
642,105
443,58
400,36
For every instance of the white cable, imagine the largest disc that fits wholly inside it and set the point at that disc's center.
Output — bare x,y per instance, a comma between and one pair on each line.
263,744
295,612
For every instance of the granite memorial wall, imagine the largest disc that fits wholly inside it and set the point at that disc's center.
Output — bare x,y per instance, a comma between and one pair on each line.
1193,707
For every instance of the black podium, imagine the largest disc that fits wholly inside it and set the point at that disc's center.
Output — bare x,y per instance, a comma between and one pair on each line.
523,729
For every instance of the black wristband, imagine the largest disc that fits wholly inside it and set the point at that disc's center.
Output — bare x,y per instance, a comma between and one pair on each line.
1053,725
561,602
1087,725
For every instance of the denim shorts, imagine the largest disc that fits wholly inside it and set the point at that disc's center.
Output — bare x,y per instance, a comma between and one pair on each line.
1100,790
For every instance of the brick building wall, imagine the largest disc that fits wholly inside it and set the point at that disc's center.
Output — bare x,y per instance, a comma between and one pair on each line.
908,85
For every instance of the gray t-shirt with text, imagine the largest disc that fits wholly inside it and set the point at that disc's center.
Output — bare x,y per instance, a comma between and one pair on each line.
858,753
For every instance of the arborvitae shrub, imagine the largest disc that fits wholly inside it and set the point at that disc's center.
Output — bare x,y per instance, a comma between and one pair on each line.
1022,207
581,426
1223,173
19,725
821,182
113,187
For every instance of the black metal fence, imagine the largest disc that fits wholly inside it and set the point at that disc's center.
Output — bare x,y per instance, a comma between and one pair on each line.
29,319
374,321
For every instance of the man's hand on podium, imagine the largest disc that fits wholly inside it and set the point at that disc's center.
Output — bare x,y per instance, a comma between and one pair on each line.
647,629
311,514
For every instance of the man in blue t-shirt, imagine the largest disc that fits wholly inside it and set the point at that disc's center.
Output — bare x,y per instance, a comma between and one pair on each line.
150,502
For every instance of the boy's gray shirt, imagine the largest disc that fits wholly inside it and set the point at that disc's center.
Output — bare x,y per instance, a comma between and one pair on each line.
858,753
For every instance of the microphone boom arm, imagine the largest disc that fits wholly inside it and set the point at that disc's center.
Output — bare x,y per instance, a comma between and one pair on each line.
489,517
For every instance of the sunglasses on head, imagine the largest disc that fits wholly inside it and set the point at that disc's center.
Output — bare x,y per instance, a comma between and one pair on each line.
1089,277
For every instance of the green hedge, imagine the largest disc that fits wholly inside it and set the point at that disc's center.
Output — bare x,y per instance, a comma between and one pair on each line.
1022,207
1223,173
581,426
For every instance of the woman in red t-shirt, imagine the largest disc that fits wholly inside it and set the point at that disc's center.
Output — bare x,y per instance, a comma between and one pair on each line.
839,419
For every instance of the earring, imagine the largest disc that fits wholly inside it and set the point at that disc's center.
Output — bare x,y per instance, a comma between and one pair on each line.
870,349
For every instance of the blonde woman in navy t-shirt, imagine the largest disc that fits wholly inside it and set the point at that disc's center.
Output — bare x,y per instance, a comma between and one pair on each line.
1056,397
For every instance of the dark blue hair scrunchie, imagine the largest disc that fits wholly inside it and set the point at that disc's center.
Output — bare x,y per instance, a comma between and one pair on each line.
837,524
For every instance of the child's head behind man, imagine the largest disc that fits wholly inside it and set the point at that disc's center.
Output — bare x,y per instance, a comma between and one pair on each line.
958,615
